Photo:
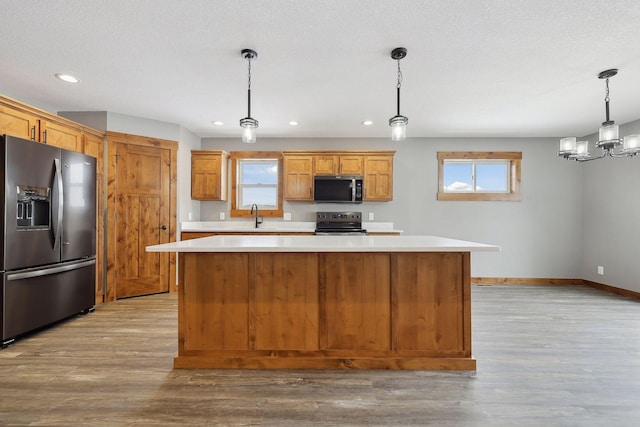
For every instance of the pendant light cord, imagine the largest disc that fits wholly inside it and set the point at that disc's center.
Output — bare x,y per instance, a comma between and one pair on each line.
606,99
249,88
398,85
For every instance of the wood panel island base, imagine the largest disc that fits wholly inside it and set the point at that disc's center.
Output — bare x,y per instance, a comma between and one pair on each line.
324,302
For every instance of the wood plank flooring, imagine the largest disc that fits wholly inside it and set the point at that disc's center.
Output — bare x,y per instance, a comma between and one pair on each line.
547,356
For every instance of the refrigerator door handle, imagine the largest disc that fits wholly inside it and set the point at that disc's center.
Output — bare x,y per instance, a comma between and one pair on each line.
58,178
51,270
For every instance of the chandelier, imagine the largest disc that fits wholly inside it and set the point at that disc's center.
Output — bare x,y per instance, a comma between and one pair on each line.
398,123
608,136
249,123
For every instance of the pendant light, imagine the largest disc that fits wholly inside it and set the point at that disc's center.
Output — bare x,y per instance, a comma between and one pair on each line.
608,135
249,123
398,122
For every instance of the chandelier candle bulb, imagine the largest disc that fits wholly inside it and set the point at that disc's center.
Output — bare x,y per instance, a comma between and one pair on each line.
582,148
568,145
631,143
608,133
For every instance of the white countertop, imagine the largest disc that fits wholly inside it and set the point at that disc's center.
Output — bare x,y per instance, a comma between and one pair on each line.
273,226
274,243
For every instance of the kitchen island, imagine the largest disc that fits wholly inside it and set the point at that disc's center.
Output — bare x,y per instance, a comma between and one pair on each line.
324,302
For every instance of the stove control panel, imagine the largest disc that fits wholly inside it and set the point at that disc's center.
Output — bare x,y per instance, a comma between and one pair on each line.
338,217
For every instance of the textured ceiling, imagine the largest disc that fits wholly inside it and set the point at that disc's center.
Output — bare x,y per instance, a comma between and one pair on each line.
474,68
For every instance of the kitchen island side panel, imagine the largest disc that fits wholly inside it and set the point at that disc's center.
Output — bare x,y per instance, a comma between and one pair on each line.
324,311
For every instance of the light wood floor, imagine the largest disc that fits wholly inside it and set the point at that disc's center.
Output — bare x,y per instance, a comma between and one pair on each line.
552,355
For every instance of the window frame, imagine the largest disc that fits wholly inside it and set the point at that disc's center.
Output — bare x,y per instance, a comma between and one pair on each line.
515,162
236,211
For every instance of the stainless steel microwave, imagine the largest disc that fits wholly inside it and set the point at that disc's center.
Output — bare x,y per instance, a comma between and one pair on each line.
337,189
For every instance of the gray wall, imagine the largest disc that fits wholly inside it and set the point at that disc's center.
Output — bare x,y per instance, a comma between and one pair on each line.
540,236
611,210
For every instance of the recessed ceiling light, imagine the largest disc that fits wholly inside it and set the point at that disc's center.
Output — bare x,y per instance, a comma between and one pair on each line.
67,78
293,123
218,123
367,122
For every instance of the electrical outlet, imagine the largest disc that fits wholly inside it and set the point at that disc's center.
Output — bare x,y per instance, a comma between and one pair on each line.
222,216
601,270
189,216
287,216
371,216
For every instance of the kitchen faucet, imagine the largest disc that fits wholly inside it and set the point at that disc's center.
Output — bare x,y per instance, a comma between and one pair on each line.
258,219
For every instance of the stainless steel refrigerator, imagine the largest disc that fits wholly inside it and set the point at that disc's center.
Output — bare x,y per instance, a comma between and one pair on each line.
48,224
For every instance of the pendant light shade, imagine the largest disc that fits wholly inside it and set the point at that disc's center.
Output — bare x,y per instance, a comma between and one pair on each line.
398,128
398,122
249,124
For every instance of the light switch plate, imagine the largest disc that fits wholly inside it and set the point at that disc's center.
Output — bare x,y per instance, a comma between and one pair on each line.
287,216
222,216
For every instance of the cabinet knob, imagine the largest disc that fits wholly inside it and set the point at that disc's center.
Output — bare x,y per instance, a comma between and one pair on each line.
164,227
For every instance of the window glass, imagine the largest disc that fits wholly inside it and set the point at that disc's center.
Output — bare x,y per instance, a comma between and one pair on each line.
492,176
259,171
263,197
257,183
458,176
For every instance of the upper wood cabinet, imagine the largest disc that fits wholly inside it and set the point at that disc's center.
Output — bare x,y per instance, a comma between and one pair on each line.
94,147
209,174
24,121
298,177
60,136
376,167
378,178
325,164
17,123
350,164
338,164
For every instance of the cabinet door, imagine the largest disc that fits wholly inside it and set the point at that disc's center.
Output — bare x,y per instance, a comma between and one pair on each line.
207,176
378,178
298,177
61,136
16,123
325,165
350,165
93,146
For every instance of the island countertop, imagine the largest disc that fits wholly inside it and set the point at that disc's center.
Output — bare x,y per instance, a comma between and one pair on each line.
272,243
